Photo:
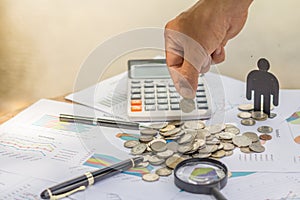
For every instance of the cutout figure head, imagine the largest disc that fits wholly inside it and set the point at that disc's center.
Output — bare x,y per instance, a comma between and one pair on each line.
263,64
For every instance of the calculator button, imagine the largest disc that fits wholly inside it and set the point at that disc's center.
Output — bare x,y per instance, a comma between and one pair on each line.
148,85
160,85
136,96
161,90
149,101
135,82
162,101
201,100
200,89
136,91
162,95
135,85
174,100
136,108
163,107
148,81
150,108
203,106
175,107
149,90
172,89
136,102
200,94
174,95
149,96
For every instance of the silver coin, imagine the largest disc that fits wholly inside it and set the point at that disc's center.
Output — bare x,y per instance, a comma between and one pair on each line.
228,146
171,132
241,141
248,122
186,138
187,105
155,160
244,115
259,116
176,123
218,154
158,146
150,177
245,150
142,165
163,171
265,129
213,141
173,146
252,136
173,161
131,143
158,126
198,124
165,154
272,115
228,153
257,147
167,128
246,107
146,138
201,155
216,128
185,148
139,149
226,135
230,126
208,149
233,130
148,131
220,146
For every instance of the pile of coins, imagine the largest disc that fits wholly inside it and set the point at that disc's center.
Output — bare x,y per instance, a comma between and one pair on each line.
167,144
249,118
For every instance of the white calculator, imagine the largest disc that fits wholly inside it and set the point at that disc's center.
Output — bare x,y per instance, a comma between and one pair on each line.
152,95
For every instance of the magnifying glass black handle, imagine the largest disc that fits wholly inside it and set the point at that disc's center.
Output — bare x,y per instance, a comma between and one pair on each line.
217,194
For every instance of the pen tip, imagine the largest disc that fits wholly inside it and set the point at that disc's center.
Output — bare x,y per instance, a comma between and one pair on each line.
45,195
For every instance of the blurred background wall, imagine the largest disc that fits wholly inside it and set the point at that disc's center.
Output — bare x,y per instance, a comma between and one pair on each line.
44,42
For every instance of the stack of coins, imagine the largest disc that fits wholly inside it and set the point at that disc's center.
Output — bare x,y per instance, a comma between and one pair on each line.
167,144
249,118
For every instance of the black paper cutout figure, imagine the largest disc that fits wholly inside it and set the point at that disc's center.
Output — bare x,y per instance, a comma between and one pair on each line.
263,83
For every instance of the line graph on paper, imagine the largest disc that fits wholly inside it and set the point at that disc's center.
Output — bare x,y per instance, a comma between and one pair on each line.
21,144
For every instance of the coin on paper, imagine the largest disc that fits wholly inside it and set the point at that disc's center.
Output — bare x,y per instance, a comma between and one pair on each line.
218,154
149,131
244,115
233,130
259,116
228,146
131,143
248,122
187,105
241,141
256,147
265,137
150,177
216,128
155,160
245,150
252,136
146,138
139,149
173,161
167,128
246,107
158,146
265,129
163,171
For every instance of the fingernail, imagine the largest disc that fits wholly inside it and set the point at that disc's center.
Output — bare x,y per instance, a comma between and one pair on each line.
218,51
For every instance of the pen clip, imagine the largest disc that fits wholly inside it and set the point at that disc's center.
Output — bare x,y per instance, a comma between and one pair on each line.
56,197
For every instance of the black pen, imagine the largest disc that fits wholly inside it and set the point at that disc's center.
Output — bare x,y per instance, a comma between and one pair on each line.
99,121
80,183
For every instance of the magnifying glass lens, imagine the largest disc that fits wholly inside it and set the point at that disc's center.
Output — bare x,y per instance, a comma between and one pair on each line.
200,173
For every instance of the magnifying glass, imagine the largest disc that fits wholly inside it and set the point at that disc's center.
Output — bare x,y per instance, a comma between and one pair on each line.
201,176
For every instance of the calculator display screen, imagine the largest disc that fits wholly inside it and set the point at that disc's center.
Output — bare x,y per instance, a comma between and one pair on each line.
149,71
